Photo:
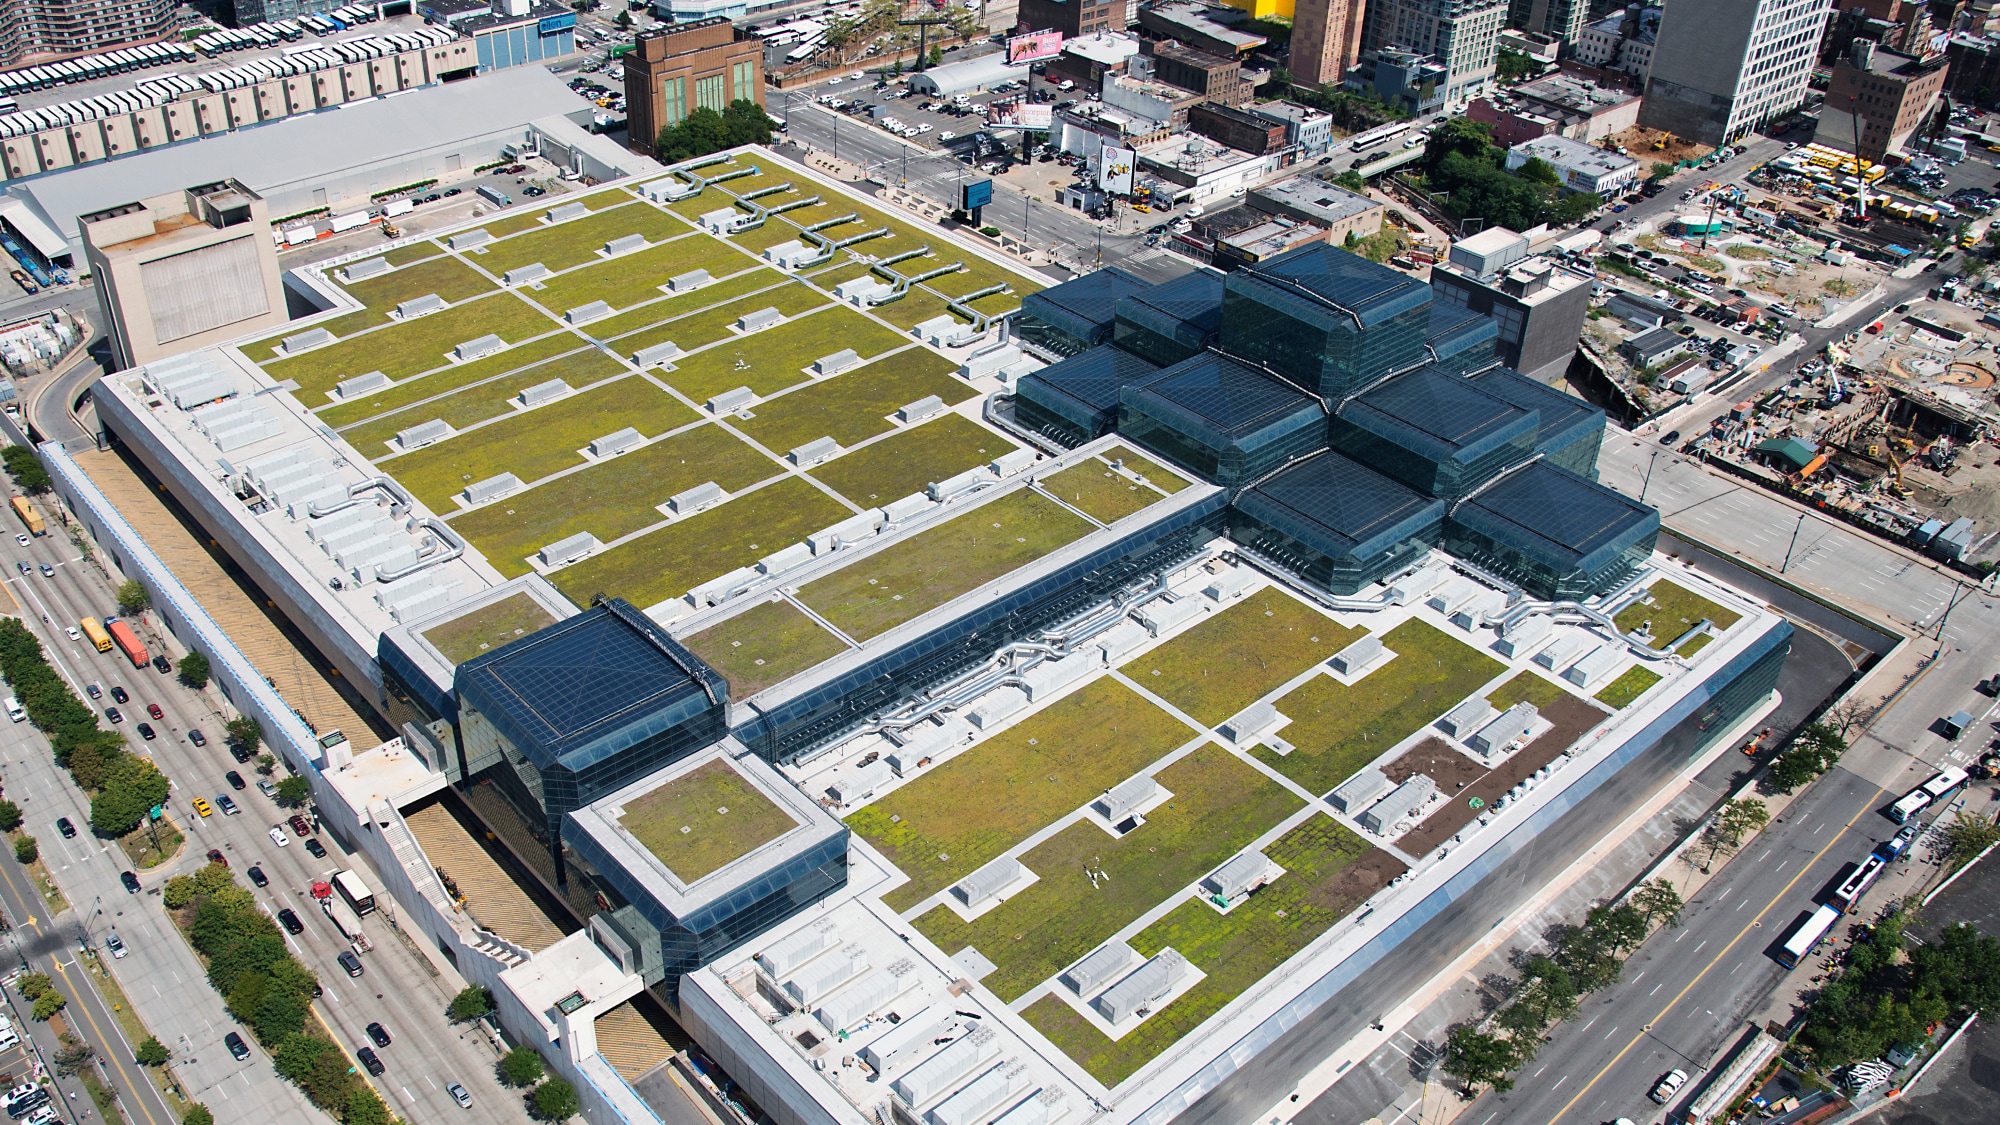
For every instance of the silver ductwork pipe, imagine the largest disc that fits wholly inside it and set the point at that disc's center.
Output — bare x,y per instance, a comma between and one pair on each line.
454,547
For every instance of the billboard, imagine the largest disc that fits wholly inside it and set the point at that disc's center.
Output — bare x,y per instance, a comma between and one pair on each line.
1034,45
975,193
1114,169
549,25
1020,115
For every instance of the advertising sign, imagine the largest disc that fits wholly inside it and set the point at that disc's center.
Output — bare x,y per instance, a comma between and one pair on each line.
1034,45
978,193
1020,115
1114,169
549,25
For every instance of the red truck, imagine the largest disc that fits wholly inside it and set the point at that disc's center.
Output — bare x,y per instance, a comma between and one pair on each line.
128,643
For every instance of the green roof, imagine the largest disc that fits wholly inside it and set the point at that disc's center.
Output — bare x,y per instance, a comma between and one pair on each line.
1799,452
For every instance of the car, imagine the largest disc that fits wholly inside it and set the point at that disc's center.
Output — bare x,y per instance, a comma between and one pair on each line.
265,787
300,825
48,571
23,567
153,709
315,849
236,1046
369,1059
118,695
199,739
163,666
1621,208
21,539
379,1034
241,752
235,780
291,922
115,945
114,714
131,882
201,806
278,836
1932,268
257,876
1668,1085
215,854
453,191
146,731
349,962
227,806
75,634
67,829
459,1095
94,691
532,190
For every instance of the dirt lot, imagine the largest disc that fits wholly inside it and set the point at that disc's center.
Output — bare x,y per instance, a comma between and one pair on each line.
1638,140
1571,716
1451,770
1357,882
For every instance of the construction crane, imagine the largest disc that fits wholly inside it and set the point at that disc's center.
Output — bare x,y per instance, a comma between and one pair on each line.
1860,177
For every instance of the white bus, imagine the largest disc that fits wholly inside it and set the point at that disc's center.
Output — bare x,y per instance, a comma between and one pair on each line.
1807,937
355,892
1848,894
1938,788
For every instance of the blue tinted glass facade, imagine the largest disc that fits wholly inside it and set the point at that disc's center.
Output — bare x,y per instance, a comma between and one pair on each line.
760,902
589,705
829,710
1461,340
1328,320
1073,317
1560,535
1076,400
1572,430
1172,322
521,44
1222,420
1336,523
1434,431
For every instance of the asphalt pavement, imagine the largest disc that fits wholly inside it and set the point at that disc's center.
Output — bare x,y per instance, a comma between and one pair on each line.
402,987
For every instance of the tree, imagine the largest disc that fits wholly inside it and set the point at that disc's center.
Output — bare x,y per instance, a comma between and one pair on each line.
245,731
1513,66
194,670
470,1003
1621,927
1849,714
151,1052
1657,899
25,849
1461,136
132,787
364,1107
133,597
26,469
1734,822
179,891
197,1114
1537,170
698,134
73,1055
10,816
624,22
554,1100
1353,181
1478,1059
1966,836
1662,169
936,56
294,791
521,1067
266,763
1813,751
48,1004
31,985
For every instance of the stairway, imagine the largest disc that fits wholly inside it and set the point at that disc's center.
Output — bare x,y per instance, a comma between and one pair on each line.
492,898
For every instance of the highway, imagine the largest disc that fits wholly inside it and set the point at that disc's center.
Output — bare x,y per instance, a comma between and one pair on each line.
400,987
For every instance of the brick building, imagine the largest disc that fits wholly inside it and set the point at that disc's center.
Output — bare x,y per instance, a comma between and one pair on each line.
1245,132
1073,18
674,70
1214,77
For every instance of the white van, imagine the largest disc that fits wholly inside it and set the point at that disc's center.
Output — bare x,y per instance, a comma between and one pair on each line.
15,711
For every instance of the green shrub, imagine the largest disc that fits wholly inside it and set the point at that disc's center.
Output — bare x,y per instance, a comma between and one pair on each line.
25,849
554,1100
151,1052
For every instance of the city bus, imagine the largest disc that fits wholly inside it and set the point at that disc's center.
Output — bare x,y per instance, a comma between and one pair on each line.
97,634
1807,937
1846,896
1941,786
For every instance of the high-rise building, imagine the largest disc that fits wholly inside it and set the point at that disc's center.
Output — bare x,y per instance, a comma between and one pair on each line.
33,28
1723,67
1892,95
1462,36
1326,39
1557,19
184,270
674,70
1074,18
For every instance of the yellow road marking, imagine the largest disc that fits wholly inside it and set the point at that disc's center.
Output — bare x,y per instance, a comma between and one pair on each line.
1723,952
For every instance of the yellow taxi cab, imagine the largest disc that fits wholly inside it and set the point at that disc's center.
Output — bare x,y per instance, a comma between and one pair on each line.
201,806
1142,207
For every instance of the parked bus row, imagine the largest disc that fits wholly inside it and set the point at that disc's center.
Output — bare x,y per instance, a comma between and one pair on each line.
90,67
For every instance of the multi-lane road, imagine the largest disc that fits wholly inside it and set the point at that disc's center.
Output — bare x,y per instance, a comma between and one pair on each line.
400,987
